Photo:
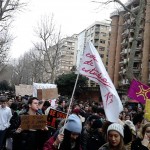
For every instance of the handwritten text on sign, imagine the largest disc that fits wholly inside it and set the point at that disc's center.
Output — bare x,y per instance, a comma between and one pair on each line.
89,68
33,122
53,115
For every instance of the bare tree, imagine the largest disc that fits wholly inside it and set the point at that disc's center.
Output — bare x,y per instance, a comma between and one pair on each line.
8,7
48,47
7,10
26,70
5,41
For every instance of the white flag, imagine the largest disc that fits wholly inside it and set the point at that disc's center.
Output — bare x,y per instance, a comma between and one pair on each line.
93,68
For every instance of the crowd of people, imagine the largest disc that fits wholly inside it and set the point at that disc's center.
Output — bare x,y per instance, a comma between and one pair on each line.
86,128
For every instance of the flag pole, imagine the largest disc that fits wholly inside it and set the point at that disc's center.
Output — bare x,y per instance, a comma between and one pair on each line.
70,103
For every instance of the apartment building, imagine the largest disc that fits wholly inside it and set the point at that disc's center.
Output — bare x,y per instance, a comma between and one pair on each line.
122,33
67,55
98,34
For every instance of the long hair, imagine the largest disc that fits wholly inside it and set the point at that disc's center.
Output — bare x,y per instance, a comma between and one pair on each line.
66,144
144,129
121,145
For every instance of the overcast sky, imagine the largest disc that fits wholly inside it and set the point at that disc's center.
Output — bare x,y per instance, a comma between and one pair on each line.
72,15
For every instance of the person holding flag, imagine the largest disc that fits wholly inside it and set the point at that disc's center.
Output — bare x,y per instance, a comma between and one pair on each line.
93,68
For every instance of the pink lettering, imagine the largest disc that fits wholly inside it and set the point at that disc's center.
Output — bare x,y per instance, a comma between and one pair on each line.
91,56
109,98
89,62
97,75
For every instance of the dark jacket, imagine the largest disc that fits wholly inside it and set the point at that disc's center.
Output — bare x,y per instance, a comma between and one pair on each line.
29,139
92,140
137,145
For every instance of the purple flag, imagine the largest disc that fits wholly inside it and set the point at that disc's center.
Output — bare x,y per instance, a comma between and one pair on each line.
139,91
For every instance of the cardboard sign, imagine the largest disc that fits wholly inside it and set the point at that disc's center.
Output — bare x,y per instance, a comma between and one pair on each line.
33,122
23,89
147,109
47,93
53,115
41,86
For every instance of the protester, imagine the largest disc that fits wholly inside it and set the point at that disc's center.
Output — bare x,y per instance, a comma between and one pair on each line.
115,136
29,139
61,104
92,136
70,139
129,133
142,143
138,121
5,116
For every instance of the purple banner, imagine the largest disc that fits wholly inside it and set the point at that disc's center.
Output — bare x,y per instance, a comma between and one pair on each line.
139,91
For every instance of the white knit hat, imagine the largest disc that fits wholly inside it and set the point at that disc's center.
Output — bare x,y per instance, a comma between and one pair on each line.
131,126
116,127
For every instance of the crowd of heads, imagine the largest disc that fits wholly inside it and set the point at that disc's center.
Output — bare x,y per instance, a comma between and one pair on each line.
87,122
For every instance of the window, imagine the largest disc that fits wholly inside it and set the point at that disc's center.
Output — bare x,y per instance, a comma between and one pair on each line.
103,27
102,55
102,41
103,34
101,48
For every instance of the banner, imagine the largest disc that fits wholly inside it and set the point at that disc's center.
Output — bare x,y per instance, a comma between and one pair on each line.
93,68
139,91
53,115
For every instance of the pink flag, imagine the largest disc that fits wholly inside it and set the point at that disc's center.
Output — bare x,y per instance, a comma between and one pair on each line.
93,68
139,91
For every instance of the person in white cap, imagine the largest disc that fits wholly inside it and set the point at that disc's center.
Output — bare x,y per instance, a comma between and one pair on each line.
115,134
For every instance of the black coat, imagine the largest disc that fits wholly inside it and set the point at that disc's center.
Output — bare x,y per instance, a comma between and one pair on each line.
137,145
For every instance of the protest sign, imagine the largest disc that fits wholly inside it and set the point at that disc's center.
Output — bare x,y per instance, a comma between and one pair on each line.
147,110
33,122
47,93
23,89
53,115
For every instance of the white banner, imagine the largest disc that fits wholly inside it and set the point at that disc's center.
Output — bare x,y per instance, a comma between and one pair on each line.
93,68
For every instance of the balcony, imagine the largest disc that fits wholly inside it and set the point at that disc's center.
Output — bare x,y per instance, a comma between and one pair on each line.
125,61
97,30
122,52
124,71
137,59
136,70
139,48
120,72
130,39
96,44
125,82
96,37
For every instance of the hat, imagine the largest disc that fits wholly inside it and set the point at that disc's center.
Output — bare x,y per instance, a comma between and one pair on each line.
3,98
116,127
131,126
73,124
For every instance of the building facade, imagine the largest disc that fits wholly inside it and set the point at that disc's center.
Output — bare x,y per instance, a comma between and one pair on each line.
122,36
98,34
67,55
